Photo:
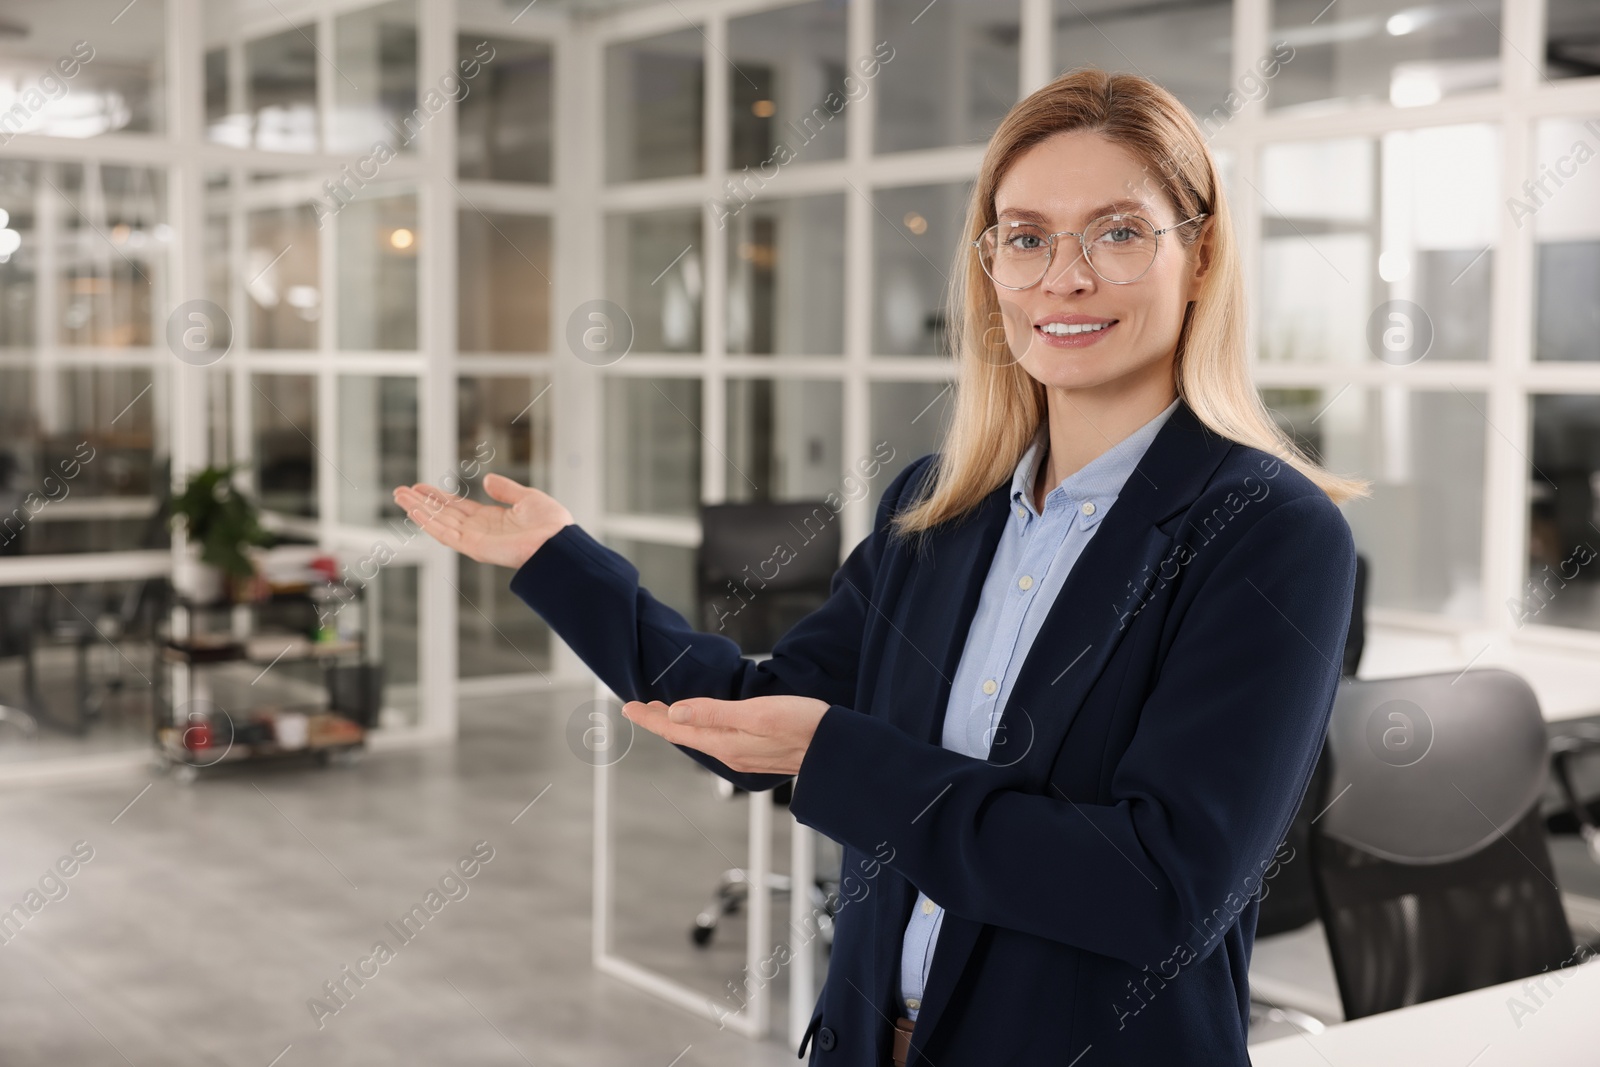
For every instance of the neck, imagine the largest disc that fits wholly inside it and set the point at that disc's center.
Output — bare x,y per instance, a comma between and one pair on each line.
1085,424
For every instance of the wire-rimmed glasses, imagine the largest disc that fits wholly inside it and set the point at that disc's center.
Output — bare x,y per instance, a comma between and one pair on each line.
1120,248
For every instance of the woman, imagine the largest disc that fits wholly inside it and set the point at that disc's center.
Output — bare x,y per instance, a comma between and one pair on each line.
1064,700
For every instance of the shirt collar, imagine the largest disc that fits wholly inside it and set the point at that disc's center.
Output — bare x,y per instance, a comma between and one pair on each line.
1097,483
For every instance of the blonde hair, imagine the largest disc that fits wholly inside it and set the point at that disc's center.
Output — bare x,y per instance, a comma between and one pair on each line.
998,405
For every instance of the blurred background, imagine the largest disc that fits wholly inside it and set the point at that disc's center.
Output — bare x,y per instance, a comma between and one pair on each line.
262,260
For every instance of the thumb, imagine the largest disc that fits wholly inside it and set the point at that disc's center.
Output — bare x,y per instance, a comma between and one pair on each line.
504,489
698,711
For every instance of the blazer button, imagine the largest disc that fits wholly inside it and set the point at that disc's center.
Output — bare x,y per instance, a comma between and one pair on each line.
826,1040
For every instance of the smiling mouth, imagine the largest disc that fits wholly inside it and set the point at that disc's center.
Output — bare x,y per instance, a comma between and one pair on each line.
1074,329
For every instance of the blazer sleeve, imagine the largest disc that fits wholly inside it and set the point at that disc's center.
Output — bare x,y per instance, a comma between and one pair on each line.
1225,742
644,650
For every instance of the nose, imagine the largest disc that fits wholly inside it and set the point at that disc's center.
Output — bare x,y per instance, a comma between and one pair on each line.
1069,270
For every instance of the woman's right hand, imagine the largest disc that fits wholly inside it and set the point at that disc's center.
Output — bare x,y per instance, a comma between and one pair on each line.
505,536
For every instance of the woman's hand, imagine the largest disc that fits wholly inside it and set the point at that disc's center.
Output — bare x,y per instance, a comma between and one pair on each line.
506,536
761,735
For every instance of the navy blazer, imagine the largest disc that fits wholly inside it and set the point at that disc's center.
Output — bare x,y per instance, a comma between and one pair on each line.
1101,869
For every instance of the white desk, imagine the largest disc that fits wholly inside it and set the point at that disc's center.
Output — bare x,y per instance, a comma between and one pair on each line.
1556,1023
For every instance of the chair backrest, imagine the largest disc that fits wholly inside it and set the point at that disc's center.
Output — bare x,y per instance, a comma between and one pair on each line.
1428,856
762,567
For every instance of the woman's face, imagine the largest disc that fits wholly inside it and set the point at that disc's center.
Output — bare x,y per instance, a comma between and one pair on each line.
1060,184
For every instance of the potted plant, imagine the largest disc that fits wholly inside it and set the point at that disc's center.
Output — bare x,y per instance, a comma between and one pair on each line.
222,523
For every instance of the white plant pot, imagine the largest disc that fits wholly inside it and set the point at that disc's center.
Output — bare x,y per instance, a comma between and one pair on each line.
201,582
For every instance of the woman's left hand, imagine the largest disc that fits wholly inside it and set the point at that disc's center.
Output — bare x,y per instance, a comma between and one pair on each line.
761,735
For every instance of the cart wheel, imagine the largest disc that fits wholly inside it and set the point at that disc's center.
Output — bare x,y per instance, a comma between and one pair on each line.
701,935
185,774
325,757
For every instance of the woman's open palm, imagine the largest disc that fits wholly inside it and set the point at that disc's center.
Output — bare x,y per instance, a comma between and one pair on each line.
506,536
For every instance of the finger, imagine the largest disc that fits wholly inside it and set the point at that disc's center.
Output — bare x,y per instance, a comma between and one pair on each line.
439,500
503,489
703,712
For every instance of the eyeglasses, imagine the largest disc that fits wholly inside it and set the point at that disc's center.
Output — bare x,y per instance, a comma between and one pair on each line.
1120,249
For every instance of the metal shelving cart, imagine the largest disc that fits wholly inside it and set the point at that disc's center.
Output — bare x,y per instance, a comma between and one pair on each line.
196,728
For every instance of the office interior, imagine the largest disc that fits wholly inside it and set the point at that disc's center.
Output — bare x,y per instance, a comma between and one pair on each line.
313,249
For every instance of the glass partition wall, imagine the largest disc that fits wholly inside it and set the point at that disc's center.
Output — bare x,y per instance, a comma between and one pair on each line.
234,233
727,282
782,186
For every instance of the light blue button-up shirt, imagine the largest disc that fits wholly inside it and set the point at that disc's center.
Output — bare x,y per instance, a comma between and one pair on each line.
1031,563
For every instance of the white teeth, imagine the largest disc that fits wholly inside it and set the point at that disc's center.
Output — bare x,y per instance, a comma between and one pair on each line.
1063,328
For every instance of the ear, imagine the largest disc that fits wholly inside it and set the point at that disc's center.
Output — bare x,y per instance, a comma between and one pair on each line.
1201,254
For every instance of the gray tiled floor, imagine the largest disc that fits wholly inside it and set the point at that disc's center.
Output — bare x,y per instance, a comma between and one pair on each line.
210,914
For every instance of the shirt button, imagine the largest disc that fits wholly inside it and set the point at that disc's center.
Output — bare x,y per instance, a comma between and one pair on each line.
989,686
928,906
1021,511
1025,582
1088,507
913,1003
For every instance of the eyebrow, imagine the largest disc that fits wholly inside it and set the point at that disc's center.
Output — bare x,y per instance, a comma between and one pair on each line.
1020,214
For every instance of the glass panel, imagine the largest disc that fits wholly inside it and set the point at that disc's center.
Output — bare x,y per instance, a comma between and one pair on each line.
786,277
1564,203
655,106
503,125
654,271
399,646
19,252
378,244
1421,530
377,445
282,279
784,439
949,71
787,86
909,420
284,414
375,84
87,684
666,570
222,124
504,426
1188,48
653,445
496,632
219,386
1377,51
82,457
1572,39
112,252
503,287
916,231
67,71
1379,251
1562,580
281,88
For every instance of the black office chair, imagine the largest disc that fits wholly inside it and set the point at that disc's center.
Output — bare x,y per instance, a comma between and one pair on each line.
761,568
1430,863
1575,773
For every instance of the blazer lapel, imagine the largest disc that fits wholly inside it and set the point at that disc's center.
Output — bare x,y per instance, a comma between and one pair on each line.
1096,606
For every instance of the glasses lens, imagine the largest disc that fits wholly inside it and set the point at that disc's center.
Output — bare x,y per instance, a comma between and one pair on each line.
1014,256
1121,247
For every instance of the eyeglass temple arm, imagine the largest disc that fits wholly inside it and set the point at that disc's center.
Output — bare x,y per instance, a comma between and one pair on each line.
1185,222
